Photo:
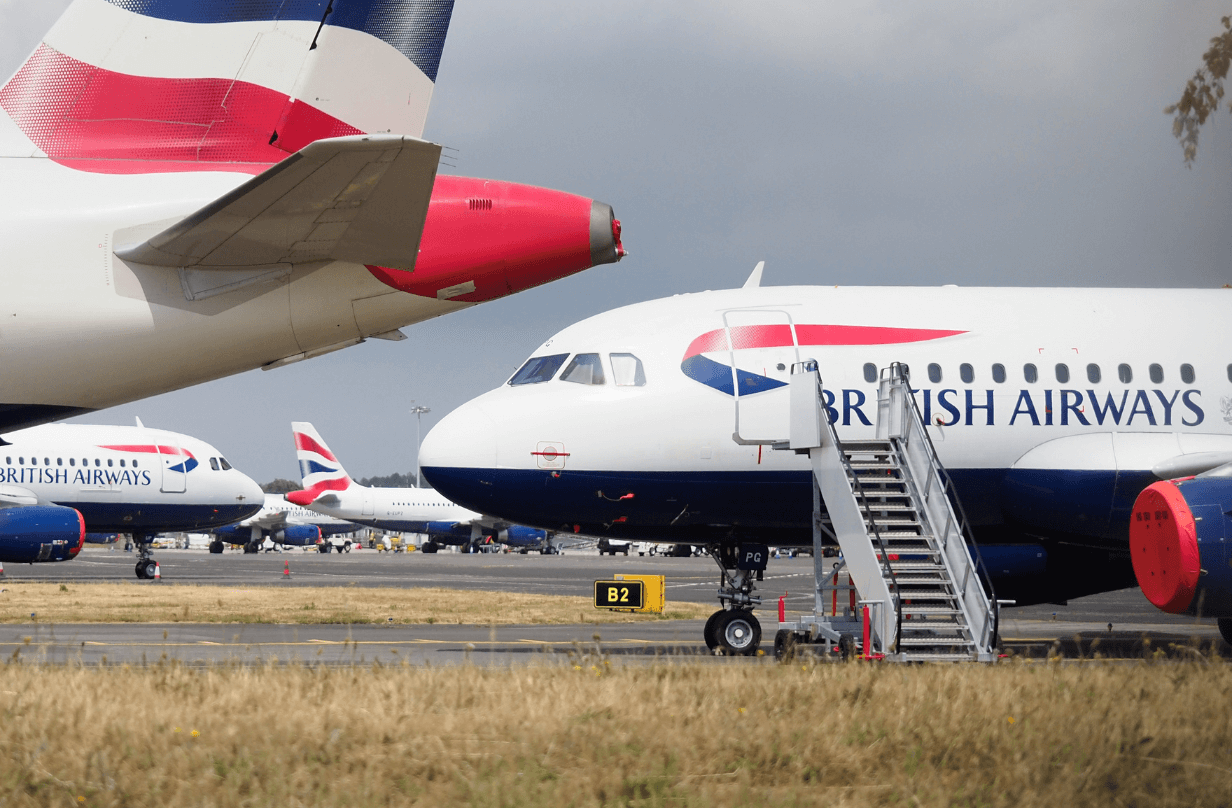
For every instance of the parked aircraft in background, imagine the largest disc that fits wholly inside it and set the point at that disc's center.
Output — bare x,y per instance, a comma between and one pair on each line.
328,489
242,184
1052,410
281,522
60,480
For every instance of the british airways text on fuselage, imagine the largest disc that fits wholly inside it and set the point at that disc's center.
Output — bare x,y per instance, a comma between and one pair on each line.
39,475
1045,407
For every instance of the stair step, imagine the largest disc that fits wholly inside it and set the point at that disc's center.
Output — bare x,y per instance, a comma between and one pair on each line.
867,445
947,642
938,657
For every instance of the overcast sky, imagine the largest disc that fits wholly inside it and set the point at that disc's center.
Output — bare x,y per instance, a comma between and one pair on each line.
843,143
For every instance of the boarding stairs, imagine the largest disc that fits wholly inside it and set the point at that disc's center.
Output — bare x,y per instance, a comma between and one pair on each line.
903,538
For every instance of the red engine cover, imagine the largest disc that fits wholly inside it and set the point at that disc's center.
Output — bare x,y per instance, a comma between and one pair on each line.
1163,544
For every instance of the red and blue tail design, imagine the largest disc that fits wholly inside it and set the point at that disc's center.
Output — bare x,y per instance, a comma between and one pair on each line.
319,470
700,368
148,86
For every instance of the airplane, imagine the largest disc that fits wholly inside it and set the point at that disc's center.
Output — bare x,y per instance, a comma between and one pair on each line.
281,522
200,189
1051,409
328,489
58,481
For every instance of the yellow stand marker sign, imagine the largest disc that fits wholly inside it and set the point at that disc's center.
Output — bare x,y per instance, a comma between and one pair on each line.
631,593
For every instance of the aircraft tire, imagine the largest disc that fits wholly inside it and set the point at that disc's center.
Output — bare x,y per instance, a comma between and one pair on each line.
739,633
1225,629
710,632
145,568
847,647
140,570
216,547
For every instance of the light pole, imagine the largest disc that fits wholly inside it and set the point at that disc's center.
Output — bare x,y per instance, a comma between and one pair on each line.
418,412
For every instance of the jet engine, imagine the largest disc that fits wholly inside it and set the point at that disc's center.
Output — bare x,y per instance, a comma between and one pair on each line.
298,535
40,533
1179,536
520,536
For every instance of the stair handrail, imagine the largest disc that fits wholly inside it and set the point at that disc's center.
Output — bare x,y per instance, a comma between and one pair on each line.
862,501
992,614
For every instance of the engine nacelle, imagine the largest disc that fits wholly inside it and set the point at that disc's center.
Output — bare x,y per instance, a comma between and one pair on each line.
298,535
1179,538
40,533
520,536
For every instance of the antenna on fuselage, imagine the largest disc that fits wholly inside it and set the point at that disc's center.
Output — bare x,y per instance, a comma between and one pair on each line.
138,419
754,280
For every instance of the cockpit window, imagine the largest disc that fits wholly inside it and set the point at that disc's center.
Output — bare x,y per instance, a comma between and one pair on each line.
538,369
586,368
627,370
225,465
214,463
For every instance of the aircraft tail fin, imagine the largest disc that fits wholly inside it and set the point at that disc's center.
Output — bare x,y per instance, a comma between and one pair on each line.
319,470
147,86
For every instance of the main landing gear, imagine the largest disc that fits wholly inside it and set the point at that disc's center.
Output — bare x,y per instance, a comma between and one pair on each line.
146,565
734,630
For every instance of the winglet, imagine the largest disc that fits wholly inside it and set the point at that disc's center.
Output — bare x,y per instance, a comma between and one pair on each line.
754,280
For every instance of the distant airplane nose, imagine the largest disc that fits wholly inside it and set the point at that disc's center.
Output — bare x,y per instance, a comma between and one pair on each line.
459,455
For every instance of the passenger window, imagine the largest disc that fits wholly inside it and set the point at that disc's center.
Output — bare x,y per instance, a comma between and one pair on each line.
1157,374
21,461
1093,374
998,373
1230,373
225,465
1030,374
586,368
109,464
627,370
97,462
1187,374
1062,373
59,461
46,461
870,372
72,461
1125,373
214,463
538,369
934,373
121,463
134,464
966,373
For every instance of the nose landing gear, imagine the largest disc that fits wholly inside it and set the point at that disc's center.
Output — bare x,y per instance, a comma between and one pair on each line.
146,564
734,630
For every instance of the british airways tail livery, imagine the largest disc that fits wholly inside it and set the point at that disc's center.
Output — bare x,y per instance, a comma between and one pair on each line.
195,189
329,490
1052,409
59,480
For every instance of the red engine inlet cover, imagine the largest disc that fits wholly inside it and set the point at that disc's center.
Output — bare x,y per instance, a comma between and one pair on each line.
1163,546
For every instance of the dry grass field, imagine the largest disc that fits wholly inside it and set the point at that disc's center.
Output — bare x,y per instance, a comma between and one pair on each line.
589,734
179,603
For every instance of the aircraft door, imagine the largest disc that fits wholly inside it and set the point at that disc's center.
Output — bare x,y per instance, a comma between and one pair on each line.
174,462
368,509
762,346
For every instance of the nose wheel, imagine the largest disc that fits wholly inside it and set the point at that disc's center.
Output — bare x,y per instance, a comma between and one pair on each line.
145,556
734,630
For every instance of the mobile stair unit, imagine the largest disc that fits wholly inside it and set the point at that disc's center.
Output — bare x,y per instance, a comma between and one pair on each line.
903,543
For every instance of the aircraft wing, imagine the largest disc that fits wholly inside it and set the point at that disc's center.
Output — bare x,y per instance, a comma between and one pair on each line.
12,496
362,198
275,520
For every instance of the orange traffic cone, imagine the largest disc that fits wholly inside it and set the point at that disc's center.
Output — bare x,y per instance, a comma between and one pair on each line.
286,569
158,572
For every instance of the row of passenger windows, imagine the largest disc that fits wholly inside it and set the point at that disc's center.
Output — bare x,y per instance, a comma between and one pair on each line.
216,463
1031,373
72,461
586,368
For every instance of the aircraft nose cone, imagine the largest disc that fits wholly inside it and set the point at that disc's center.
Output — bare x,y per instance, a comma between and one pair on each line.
251,493
459,454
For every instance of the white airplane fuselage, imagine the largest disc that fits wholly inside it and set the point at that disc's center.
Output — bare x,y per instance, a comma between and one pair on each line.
1051,409
126,479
